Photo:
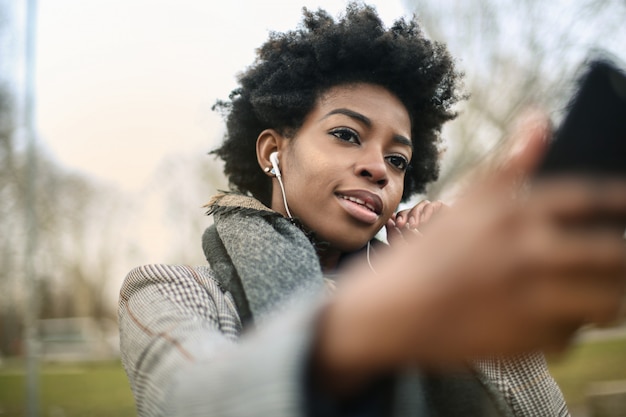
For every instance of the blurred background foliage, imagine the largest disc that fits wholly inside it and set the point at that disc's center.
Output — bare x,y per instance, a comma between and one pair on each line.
516,55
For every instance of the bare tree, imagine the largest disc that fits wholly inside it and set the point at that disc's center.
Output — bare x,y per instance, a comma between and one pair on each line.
516,54
81,226
180,186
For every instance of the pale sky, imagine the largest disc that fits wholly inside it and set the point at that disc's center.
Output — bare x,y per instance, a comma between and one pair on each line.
121,84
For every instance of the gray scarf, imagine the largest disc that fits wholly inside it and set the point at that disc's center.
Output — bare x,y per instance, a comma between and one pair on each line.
258,255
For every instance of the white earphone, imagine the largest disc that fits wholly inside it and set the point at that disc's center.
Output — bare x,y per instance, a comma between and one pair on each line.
276,171
274,161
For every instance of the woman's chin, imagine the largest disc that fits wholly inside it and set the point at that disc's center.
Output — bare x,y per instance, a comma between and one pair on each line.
348,245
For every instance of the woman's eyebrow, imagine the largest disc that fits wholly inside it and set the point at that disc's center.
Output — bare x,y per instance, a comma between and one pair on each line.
350,113
403,141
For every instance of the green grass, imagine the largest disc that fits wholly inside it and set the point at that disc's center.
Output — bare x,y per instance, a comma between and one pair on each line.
70,390
101,389
587,363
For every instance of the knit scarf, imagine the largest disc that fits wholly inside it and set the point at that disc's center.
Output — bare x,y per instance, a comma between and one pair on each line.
258,255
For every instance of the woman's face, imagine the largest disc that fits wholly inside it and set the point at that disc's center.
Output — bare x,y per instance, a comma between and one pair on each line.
343,171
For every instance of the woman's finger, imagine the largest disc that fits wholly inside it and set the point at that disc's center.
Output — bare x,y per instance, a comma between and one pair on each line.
394,235
409,216
578,198
428,212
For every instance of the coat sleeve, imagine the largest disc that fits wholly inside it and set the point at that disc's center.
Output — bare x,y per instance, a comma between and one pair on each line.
526,384
182,350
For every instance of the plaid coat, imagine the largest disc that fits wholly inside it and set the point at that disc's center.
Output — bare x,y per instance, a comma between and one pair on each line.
186,355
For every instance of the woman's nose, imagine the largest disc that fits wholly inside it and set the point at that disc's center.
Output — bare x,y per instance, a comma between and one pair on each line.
373,167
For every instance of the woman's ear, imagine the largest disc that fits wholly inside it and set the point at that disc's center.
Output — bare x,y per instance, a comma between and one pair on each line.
268,142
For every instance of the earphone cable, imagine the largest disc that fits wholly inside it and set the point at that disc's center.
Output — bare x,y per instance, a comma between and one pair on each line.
282,189
368,258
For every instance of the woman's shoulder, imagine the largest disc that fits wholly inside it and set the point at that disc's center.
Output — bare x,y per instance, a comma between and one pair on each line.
169,273
185,287
183,280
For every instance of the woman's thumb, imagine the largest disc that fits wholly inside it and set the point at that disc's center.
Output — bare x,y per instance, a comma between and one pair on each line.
528,143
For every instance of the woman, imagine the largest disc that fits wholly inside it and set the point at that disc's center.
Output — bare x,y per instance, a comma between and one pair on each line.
332,127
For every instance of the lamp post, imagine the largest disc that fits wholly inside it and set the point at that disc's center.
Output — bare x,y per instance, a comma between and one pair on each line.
31,281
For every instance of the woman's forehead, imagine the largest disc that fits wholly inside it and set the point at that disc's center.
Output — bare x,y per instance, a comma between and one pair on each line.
369,100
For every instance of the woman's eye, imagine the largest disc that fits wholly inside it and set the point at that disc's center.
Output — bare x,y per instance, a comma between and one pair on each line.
347,135
399,162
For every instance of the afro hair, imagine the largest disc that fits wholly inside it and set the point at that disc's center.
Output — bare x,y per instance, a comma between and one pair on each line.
294,69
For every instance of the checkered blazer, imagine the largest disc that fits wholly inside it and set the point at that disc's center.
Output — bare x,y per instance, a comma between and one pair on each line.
186,355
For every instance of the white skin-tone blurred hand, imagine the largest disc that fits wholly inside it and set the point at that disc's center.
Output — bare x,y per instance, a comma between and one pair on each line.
493,275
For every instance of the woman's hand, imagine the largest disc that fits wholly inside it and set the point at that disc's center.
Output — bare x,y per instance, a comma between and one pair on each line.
410,221
496,274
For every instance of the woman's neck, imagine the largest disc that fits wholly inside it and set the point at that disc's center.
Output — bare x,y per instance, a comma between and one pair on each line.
329,259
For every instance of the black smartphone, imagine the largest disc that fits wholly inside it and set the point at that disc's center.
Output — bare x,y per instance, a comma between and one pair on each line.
592,137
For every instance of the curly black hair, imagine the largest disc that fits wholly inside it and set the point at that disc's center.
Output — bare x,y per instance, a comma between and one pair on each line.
293,69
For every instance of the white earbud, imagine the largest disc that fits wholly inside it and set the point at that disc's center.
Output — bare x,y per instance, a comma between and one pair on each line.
276,171
274,161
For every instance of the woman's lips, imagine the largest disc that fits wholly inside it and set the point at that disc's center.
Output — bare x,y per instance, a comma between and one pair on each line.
362,205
